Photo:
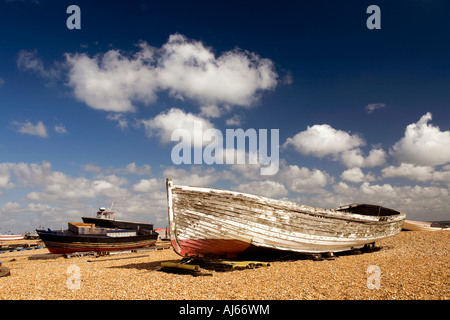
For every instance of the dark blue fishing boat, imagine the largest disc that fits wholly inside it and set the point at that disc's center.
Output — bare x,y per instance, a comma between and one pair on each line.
84,237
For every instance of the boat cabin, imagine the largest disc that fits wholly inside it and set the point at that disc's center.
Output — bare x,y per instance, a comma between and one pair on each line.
102,213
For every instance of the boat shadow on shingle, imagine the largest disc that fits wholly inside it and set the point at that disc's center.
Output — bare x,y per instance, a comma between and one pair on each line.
271,255
151,266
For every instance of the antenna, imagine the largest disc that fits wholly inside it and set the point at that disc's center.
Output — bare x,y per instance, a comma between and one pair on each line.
112,205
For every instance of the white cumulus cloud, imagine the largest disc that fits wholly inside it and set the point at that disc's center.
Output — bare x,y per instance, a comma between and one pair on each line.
356,175
164,124
355,158
187,69
111,82
304,180
423,144
148,185
5,176
268,188
321,140
419,173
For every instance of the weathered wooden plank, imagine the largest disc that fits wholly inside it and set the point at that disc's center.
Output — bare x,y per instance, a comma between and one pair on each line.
246,222
265,204
299,221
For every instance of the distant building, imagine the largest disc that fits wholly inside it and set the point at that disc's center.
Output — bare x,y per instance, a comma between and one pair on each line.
163,234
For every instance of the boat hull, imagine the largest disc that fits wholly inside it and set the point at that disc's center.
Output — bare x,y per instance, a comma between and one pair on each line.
65,242
10,237
411,225
219,247
213,222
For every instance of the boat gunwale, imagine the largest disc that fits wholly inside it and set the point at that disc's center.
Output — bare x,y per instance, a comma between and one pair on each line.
295,207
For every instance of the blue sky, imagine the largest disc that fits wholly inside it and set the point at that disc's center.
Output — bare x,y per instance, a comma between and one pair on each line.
86,115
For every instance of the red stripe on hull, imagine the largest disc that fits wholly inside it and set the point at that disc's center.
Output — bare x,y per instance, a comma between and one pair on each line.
216,247
56,250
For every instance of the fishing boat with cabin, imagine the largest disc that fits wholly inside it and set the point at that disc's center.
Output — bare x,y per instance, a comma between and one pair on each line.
102,235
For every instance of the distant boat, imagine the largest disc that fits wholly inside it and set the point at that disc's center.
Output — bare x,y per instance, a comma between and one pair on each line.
411,225
31,236
9,237
213,222
84,237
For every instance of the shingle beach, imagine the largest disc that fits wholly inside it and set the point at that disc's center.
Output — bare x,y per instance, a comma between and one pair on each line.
412,265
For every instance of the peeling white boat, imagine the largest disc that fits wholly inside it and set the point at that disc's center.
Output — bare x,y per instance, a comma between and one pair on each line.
10,237
412,225
212,222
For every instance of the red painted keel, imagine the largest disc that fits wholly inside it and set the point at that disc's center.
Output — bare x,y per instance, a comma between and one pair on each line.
204,247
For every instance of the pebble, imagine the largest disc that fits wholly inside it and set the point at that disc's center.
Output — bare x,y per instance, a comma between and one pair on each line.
412,265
